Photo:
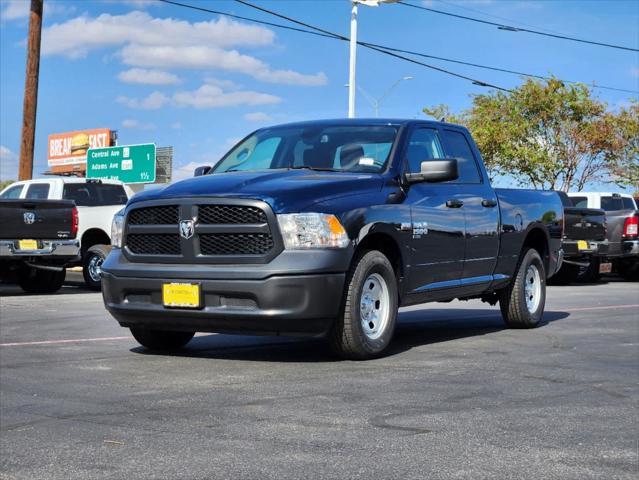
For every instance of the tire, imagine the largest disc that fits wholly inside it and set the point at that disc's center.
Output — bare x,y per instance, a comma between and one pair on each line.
590,274
92,265
522,306
161,339
566,275
629,271
368,315
35,280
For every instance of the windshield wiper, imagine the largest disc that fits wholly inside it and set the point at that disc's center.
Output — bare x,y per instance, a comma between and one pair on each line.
317,169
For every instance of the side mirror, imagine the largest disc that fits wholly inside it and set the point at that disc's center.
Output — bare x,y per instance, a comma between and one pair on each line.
432,171
203,170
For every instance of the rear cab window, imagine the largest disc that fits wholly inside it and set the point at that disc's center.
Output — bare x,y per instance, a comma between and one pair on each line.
38,191
12,192
94,194
612,203
580,202
629,204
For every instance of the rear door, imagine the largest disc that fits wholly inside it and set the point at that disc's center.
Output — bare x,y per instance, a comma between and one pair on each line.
481,211
437,252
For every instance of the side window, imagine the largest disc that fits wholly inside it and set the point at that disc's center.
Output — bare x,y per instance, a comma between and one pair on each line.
38,191
458,147
12,193
629,203
112,195
580,202
423,145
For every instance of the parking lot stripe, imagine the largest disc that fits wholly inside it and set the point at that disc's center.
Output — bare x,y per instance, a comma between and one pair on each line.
54,342
607,307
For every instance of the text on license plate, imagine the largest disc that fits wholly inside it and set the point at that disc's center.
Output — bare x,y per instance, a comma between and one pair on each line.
185,295
605,267
28,244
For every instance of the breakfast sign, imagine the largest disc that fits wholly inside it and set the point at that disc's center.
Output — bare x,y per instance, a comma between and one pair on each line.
66,149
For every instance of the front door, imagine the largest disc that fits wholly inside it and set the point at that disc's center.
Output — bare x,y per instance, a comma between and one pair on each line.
481,213
437,247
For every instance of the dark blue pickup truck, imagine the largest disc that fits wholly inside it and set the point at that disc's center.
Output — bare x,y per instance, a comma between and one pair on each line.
326,228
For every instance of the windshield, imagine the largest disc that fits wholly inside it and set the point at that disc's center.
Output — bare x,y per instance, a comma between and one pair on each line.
317,147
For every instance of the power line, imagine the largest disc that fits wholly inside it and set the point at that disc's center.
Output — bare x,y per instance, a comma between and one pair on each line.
387,50
511,28
378,48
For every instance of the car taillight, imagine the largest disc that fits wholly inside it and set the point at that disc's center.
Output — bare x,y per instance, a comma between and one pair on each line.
631,227
75,221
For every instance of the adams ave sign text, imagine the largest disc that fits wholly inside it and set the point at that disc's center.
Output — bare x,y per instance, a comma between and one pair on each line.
127,163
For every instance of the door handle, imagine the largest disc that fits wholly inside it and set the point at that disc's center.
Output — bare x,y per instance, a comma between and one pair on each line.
488,203
454,203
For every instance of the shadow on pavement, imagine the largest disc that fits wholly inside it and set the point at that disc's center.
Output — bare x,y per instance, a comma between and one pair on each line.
415,328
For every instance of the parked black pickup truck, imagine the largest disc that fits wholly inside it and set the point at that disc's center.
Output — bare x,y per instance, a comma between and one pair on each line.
37,240
584,242
326,228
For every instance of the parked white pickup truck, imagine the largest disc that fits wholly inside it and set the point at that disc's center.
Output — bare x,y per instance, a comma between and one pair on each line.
97,201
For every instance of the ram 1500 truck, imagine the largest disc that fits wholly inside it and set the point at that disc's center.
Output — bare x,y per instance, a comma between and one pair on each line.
584,243
326,228
37,240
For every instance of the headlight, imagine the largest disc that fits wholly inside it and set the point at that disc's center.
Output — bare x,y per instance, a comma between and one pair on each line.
116,229
312,230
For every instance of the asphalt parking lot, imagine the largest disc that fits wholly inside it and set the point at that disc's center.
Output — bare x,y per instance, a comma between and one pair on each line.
458,397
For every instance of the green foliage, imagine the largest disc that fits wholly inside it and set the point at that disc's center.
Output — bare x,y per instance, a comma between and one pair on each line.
5,184
547,134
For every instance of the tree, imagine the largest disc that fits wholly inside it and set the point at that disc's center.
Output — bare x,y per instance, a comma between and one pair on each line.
551,135
5,183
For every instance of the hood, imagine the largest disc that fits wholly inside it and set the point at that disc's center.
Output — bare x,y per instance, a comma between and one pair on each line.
284,190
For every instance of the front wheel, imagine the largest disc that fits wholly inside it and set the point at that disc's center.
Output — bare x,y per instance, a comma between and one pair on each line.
522,302
366,324
92,265
161,339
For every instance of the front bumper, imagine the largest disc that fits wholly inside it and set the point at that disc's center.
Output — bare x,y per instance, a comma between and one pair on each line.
298,293
48,248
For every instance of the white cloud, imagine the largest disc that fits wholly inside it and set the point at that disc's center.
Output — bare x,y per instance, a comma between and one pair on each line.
210,58
185,171
8,164
15,9
133,124
257,117
154,101
148,77
176,126
76,37
212,96
164,43
634,72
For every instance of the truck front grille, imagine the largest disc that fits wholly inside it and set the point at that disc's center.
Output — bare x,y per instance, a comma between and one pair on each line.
154,244
235,244
223,231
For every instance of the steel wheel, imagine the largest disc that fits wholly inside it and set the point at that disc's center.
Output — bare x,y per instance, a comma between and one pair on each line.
374,306
532,288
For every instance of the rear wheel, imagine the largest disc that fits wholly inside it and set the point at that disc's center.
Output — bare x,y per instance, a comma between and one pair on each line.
629,270
522,302
92,265
366,324
36,280
161,339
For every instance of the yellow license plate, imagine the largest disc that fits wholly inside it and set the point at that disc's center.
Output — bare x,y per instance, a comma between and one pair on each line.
184,295
582,245
28,244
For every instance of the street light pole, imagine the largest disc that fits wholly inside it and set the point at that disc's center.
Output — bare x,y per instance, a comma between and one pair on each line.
353,51
352,62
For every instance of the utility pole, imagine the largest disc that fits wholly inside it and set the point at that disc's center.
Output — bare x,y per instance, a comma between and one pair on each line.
31,91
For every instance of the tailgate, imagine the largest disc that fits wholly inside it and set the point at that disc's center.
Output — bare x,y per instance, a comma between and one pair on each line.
36,219
585,224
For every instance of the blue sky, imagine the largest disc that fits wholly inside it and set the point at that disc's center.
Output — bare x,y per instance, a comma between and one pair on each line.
164,74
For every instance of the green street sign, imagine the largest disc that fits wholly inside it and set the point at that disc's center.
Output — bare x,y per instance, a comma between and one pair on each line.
127,163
